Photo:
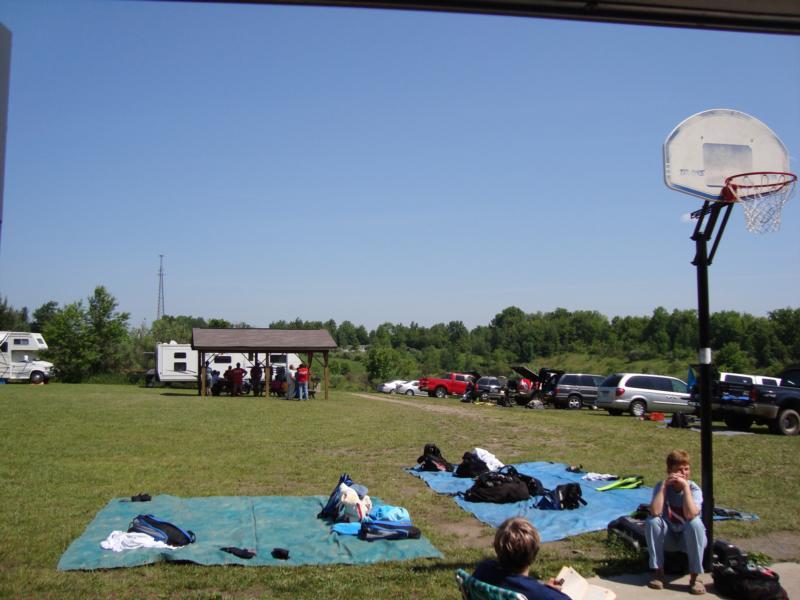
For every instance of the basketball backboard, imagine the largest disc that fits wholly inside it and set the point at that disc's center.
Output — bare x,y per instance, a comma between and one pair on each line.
714,144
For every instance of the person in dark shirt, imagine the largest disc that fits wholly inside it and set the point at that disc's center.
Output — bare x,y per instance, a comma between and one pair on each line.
255,379
517,543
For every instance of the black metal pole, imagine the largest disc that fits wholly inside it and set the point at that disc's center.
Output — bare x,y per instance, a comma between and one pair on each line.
704,380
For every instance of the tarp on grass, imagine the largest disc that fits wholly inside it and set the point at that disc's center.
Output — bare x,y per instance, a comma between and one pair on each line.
259,523
601,508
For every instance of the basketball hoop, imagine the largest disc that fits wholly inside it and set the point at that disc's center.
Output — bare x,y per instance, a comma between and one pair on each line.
762,195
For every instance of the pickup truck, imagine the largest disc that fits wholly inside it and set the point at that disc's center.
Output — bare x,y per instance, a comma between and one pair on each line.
742,404
454,384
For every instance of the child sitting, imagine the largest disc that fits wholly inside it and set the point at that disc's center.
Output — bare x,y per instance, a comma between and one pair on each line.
517,544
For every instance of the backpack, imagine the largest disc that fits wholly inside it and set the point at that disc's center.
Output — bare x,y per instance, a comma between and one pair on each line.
535,487
333,507
630,531
388,530
567,496
471,466
679,421
735,578
498,487
432,460
161,531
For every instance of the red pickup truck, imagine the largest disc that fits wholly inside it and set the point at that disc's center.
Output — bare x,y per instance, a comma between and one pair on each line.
450,383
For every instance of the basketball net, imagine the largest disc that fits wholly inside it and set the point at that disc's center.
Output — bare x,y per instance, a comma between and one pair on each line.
762,195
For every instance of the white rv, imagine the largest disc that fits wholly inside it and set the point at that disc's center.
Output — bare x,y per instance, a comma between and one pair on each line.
19,357
177,363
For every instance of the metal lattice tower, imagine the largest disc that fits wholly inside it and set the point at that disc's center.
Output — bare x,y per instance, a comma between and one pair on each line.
160,309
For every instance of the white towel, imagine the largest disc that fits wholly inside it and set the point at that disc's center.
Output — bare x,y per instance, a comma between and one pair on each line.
122,540
487,457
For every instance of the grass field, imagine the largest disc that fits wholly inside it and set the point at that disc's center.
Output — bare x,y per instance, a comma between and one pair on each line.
68,449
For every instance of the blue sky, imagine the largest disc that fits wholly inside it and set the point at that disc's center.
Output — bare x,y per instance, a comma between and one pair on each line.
373,165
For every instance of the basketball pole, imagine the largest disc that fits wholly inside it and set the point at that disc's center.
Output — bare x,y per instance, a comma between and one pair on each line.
702,260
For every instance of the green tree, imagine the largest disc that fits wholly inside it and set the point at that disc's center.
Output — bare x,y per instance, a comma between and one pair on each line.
43,314
178,328
12,319
68,339
732,358
384,364
108,332
346,335
223,324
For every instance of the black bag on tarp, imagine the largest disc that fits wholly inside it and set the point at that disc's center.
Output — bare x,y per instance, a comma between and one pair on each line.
471,466
432,460
498,487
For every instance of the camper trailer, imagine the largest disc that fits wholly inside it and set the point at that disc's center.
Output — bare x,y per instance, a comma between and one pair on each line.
177,363
19,357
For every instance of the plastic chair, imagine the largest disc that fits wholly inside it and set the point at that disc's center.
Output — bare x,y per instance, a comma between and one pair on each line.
475,589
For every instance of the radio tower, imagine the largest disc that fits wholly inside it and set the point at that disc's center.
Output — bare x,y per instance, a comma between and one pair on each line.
160,310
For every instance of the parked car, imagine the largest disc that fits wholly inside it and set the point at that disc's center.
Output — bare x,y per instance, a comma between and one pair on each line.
749,379
640,393
453,384
491,388
573,390
522,392
390,387
410,388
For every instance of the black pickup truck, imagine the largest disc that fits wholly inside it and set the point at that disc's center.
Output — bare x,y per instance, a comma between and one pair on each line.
742,404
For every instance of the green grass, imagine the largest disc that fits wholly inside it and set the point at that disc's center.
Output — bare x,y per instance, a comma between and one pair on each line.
68,449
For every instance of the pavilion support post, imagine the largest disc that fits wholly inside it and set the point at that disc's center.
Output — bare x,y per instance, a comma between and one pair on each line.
325,362
201,373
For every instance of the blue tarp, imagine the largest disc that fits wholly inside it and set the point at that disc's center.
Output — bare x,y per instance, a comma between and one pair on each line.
260,523
601,508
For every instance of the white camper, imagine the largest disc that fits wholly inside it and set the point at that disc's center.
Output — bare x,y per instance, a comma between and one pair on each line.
19,357
177,363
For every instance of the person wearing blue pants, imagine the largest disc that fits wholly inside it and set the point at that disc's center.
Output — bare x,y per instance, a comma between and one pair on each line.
675,522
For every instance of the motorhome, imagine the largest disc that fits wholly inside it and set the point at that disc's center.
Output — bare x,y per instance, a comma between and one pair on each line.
19,357
178,363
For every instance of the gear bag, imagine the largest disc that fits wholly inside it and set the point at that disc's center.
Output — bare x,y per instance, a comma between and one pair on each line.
432,460
567,496
471,466
735,578
498,487
388,530
161,531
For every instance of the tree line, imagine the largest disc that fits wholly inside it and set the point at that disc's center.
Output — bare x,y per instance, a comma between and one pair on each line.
94,341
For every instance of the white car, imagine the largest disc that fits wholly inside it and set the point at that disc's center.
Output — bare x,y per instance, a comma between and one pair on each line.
390,386
410,388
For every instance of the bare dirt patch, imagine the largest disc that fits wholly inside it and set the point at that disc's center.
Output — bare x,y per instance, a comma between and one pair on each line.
780,546
463,411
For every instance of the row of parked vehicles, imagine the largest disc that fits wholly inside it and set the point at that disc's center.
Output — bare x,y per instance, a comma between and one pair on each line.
739,400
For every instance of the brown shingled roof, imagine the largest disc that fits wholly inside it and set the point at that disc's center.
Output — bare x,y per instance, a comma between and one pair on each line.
262,340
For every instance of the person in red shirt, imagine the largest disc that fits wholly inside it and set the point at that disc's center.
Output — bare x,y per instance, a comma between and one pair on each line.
237,376
302,381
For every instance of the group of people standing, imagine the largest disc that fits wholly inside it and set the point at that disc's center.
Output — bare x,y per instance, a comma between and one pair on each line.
232,380
295,382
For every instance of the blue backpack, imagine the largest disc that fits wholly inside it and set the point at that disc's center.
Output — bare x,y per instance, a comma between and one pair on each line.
388,530
161,531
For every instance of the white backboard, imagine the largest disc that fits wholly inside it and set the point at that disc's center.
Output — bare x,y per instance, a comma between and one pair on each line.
714,144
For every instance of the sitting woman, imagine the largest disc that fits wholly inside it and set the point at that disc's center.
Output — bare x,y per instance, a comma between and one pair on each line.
517,543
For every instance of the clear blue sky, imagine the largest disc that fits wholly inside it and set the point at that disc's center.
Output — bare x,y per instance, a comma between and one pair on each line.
373,165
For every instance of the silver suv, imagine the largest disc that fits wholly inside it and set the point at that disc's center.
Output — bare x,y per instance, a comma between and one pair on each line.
639,393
